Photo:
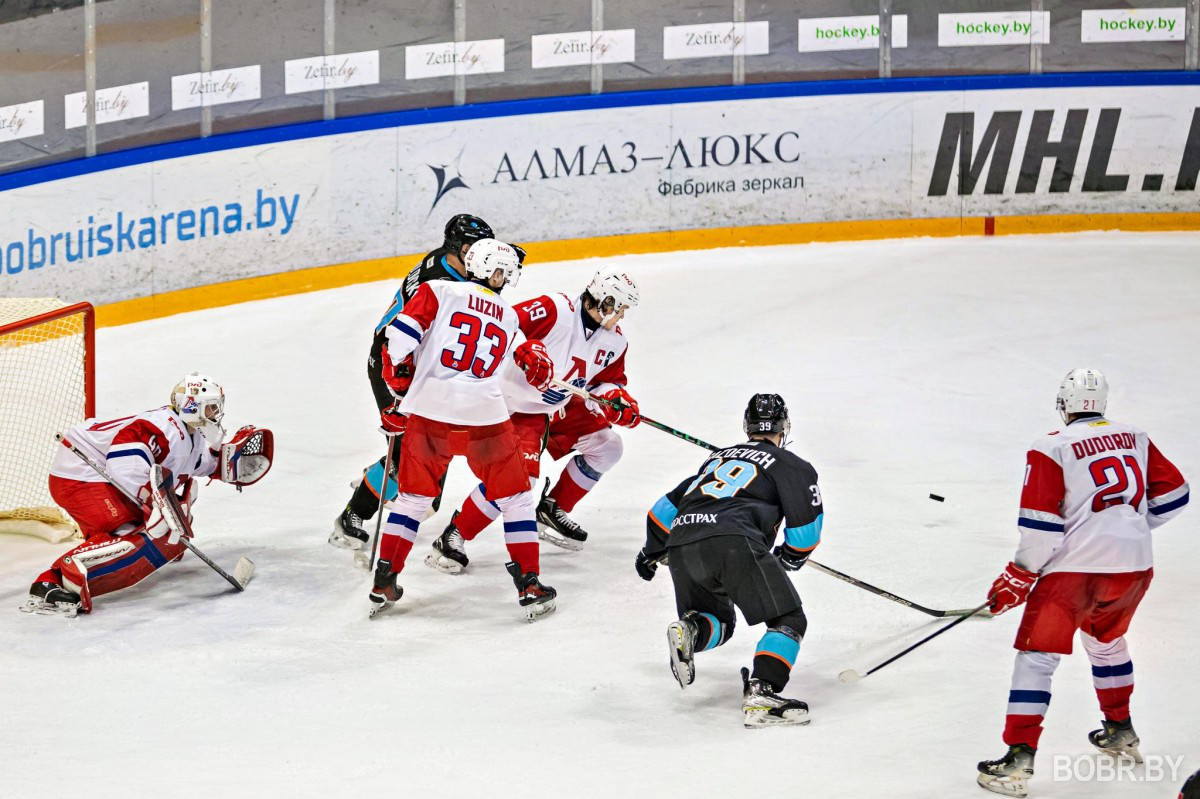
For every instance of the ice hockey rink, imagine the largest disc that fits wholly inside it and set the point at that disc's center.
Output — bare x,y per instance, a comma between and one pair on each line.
910,367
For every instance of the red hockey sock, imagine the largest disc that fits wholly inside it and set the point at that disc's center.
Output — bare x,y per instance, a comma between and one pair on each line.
1022,730
567,492
1115,702
395,549
471,521
525,555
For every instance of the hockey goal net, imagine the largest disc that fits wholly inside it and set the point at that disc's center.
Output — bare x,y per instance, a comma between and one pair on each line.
47,384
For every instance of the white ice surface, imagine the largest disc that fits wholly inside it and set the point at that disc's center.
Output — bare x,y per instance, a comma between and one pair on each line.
910,367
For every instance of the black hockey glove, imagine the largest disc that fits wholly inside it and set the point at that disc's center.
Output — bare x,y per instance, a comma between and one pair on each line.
790,559
646,566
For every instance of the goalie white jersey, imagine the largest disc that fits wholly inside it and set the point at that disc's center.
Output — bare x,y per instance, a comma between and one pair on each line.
1093,492
129,446
460,335
591,359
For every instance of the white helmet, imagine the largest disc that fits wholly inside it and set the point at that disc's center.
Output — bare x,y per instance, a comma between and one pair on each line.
488,255
1082,391
615,284
200,402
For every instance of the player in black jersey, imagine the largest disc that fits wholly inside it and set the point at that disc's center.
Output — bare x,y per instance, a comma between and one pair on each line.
388,385
718,528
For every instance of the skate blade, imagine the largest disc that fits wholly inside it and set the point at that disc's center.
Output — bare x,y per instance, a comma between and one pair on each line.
559,540
64,609
435,560
1123,753
341,541
1008,786
539,610
757,718
362,559
682,666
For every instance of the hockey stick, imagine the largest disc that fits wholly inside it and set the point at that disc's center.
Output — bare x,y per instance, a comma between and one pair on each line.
583,394
242,571
941,614
369,565
850,675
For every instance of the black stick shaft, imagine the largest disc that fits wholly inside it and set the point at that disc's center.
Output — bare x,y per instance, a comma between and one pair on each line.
941,614
929,638
387,470
582,394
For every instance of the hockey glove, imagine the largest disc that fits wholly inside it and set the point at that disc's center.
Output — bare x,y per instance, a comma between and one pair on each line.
247,458
791,559
646,566
1011,588
398,377
535,362
625,413
392,422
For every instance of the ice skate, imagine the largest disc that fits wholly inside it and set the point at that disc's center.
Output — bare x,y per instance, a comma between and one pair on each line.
51,599
681,639
1010,774
448,554
536,598
1118,739
555,526
763,707
348,532
386,590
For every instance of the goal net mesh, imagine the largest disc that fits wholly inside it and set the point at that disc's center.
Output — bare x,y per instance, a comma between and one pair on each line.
43,390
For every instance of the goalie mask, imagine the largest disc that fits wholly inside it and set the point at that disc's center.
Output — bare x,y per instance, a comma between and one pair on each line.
487,256
200,402
766,414
1082,391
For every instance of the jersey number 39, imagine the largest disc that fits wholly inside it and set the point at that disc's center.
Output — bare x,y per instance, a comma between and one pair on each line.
470,330
728,478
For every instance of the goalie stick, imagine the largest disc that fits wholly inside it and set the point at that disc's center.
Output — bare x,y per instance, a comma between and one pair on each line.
583,394
243,571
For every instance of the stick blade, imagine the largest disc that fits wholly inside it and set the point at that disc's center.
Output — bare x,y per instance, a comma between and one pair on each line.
849,676
243,572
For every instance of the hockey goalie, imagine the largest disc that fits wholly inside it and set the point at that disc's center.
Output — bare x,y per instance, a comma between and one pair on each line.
126,541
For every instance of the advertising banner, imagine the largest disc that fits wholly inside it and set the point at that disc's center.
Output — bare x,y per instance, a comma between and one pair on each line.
261,210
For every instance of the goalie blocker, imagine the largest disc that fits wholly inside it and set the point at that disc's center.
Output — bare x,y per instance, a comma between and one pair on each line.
126,541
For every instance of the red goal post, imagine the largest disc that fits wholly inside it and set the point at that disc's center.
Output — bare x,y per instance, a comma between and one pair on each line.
47,384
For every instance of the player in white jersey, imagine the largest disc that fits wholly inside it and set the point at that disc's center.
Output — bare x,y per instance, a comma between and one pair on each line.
126,541
460,336
587,346
1093,493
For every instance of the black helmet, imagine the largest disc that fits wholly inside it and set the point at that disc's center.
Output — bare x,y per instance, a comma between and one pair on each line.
466,229
1191,788
766,413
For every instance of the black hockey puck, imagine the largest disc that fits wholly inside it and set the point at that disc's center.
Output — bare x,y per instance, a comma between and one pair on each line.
936,498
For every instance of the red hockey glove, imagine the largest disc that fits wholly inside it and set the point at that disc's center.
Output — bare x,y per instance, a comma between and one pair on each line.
535,362
392,422
1011,588
398,377
626,414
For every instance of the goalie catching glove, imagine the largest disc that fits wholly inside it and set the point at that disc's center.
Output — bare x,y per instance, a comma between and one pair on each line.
535,362
247,458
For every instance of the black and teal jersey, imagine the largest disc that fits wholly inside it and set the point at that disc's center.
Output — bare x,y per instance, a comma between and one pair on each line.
432,267
746,490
